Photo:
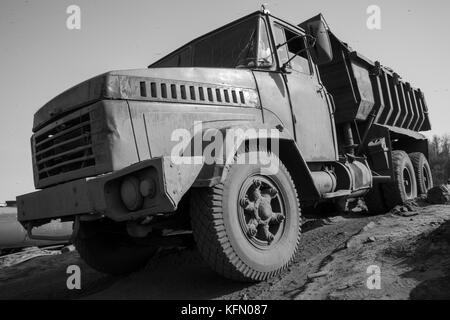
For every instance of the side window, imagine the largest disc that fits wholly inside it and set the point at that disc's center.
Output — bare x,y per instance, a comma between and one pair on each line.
300,61
280,37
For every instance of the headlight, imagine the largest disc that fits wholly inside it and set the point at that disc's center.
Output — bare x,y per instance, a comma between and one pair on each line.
131,194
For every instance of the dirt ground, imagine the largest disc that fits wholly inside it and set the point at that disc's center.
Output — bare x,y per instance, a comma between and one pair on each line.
411,251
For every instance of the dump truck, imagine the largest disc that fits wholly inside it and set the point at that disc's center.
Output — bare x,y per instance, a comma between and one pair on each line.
227,139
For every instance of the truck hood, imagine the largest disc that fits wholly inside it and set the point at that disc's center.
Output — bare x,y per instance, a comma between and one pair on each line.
116,85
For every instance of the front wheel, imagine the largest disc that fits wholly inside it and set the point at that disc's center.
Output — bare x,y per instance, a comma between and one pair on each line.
248,227
107,248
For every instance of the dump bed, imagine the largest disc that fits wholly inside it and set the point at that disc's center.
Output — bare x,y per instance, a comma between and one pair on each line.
360,86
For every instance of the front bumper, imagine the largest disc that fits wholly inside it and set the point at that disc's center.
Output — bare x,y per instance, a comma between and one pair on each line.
101,195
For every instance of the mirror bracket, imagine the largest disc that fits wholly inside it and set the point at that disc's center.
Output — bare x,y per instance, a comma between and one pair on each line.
284,69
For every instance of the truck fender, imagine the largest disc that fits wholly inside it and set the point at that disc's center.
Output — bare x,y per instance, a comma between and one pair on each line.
171,181
281,143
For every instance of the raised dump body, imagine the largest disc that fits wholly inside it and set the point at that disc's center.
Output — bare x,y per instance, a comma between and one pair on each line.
360,86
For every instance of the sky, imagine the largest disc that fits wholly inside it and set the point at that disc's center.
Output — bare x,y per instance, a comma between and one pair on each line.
40,57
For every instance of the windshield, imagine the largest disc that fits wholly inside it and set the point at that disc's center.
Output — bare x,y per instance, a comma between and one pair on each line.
233,47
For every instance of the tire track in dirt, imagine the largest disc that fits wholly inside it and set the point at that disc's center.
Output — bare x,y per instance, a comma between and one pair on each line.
178,274
184,275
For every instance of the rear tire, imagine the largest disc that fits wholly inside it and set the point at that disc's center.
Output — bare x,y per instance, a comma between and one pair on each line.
219,224
108,251
423,172
404,186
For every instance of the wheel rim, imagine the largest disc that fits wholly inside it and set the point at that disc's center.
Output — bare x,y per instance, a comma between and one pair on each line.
407,182
261,211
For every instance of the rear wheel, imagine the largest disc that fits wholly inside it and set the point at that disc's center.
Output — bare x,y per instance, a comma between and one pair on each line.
404,186
422,171
107,248
248,227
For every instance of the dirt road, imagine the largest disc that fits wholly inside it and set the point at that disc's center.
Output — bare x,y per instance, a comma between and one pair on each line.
412,253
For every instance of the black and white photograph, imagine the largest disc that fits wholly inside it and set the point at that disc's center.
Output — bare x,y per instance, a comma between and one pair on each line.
224,154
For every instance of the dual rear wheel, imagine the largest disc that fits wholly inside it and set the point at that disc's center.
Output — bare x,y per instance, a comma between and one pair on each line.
412,176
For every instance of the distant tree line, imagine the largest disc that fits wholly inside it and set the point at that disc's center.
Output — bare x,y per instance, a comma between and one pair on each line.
439,150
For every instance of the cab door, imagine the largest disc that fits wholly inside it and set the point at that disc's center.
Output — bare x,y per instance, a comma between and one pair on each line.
311,107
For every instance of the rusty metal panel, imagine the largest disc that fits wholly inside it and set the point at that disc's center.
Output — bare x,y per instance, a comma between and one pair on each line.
137,88
336,76
102,194
172,182
63,146
349,83
54,202
388,105
398,104
155,123
415,118
426,124
405,110
422,114
396,111
126,84
75,141
274,100
410,116
107,138
140,132
314,126
364,93
378,95
104,86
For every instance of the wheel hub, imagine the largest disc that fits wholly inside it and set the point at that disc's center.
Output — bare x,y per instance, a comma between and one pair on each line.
262,210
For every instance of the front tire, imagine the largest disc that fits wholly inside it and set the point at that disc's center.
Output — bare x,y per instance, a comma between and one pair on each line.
107,248
222,222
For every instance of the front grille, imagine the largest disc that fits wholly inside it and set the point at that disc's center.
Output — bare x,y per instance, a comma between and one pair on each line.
64,146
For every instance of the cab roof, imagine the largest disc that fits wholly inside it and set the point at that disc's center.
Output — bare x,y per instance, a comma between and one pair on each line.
255,13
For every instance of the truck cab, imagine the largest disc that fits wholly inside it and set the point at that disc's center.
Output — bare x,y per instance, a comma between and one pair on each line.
288,81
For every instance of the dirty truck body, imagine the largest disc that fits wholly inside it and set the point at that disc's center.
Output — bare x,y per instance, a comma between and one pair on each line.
345,127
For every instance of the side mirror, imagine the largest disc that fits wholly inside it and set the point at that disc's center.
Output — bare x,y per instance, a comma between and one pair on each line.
322,52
